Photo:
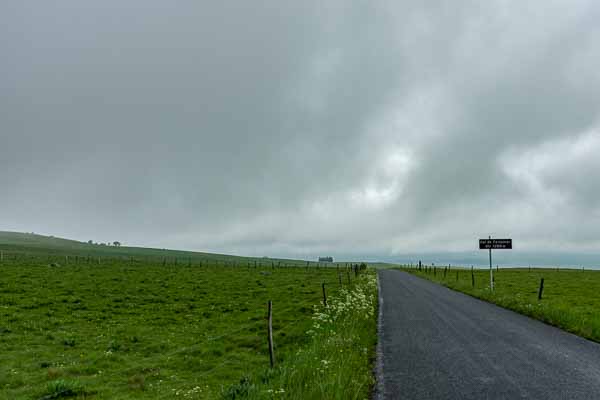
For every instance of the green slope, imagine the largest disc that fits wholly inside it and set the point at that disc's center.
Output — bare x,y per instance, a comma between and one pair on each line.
29,243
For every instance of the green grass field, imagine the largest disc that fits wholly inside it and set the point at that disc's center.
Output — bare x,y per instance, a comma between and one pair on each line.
80,321
570,298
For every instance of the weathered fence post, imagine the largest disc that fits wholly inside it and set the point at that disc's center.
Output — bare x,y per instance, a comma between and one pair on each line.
472,277
541,289
340,278
324,294
270,334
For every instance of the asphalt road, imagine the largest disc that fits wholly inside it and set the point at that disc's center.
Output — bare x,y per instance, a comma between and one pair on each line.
436,343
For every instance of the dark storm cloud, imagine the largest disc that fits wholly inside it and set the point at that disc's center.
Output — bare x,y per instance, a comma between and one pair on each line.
294,128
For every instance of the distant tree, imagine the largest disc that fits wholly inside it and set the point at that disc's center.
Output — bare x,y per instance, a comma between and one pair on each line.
117,244
90,242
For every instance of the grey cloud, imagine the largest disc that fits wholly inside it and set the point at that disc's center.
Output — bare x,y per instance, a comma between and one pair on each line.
293,128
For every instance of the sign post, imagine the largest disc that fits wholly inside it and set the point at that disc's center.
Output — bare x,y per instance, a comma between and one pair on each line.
497,244
491,270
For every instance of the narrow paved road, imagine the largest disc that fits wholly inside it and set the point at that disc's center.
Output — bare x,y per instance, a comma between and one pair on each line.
439,344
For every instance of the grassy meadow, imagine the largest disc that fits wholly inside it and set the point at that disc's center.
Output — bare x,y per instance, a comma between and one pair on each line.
570,298
82,322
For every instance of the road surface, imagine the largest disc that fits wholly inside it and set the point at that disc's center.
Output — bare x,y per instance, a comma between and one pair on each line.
436,343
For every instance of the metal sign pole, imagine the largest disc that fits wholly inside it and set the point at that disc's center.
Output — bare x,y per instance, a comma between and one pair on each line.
491,269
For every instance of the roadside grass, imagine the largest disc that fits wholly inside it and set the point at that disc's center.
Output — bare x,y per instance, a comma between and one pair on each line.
570,299
142,330
337,363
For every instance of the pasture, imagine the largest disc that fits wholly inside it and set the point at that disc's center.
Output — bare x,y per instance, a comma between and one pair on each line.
152,328
570,297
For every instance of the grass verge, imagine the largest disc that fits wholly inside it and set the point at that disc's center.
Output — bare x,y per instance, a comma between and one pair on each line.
336,363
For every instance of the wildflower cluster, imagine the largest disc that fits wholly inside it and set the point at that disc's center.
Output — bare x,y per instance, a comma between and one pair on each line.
196,390
347,306
276,391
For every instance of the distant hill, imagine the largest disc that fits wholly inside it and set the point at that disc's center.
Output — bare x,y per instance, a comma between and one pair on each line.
30,242
18,242
31,239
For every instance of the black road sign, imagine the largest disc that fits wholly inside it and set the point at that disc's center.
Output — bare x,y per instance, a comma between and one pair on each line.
495,244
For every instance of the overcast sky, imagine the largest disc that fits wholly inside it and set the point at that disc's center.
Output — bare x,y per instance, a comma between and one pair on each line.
302,128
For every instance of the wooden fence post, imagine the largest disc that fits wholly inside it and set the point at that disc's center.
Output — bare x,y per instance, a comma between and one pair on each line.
472,277
270,334
324,294
541,289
